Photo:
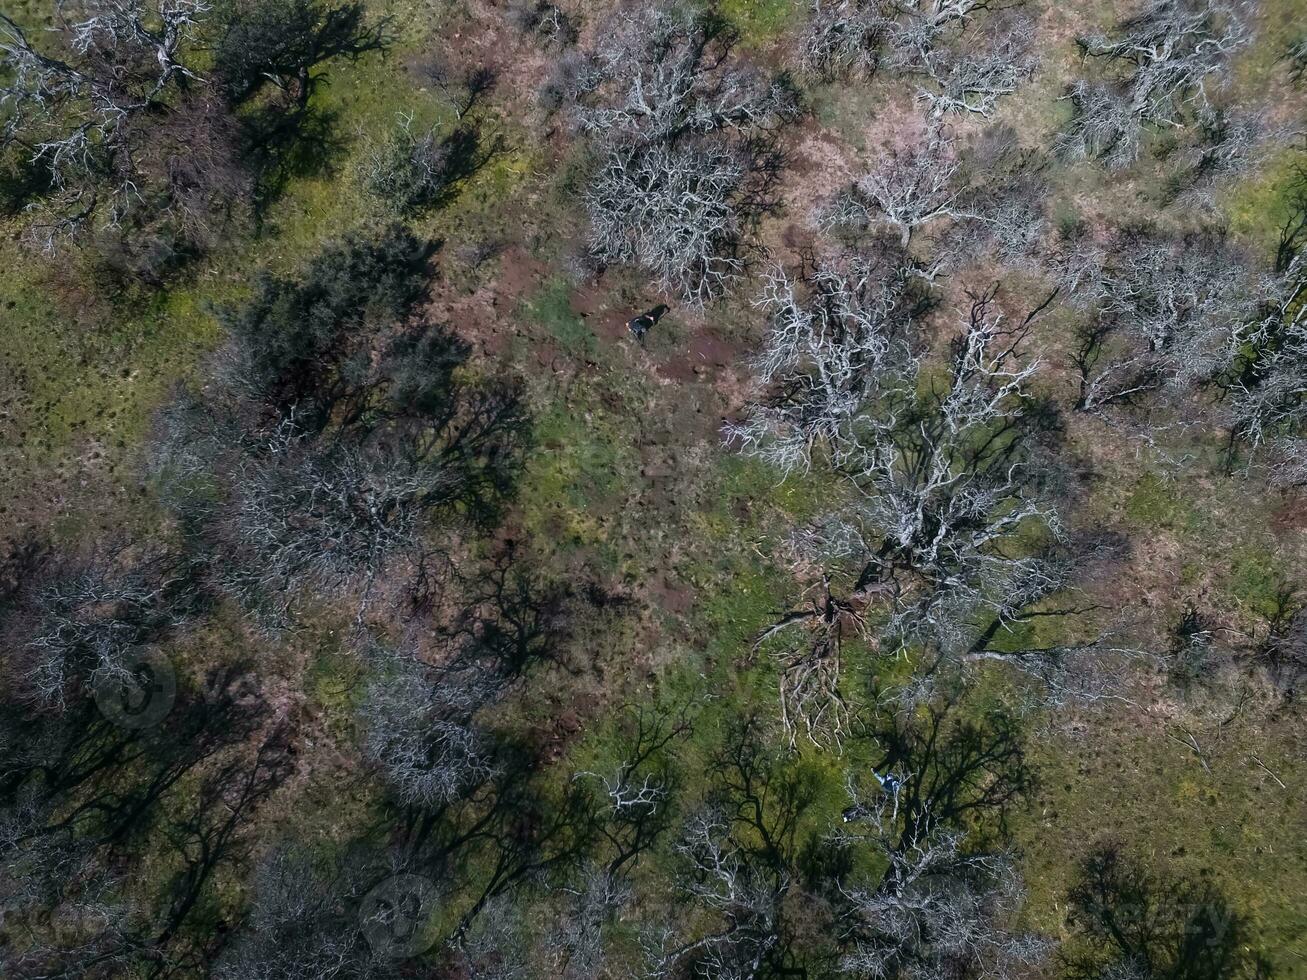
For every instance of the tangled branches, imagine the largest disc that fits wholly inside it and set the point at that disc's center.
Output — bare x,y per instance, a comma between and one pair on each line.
683,137
1163,59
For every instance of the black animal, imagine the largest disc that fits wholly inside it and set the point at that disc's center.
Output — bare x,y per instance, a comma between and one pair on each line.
640,325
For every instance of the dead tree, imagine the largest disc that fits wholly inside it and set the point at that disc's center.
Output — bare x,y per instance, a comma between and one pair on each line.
637,798
581,937
1165,314
1006,187
303,921
1160,64
838,338
910,190
79,625
937,907
947,483
938,483
410,172
921,27
683,137
845,37
938,910
1268,377
1297,56
674,211
81,108
1228,143
967,82
743,904
542,19
309,464
421,730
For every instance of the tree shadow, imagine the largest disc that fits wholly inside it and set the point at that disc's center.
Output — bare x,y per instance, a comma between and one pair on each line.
1129,922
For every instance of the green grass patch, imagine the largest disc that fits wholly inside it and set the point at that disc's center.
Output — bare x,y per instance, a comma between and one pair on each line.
1157,502
1260,205
551,308
1255,578
761,22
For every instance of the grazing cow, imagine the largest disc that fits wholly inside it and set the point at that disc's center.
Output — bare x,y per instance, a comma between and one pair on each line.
640,325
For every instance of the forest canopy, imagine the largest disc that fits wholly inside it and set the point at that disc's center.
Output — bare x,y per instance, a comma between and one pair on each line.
665,489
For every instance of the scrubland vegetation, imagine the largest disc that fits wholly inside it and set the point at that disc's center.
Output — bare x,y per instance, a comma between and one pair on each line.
915,592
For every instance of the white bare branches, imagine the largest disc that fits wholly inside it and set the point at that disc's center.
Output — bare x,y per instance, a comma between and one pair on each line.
837,341
299,924
119,25
937,480
908,190
936,908
682,136
946,486
420,730
1165,57
578,942
664,69
1167,312
72,110
845,37
331,515
939,907
674,210
742,905
810,696
89,621
921,39
1269,396
628,798
1230,142
972,83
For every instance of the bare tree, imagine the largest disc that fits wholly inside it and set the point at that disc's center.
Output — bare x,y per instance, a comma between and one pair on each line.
499,945
968,82
1166,313
1161,61
742,903
77,626
80,109
682,136
1006,187
921,39
420,729
543,19
1297,55
937,485
412,171
845,37
910,189
676,212
938,909
580,939
838,339
922,26
1267,404
310,462
937,905
302,923
1229,142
